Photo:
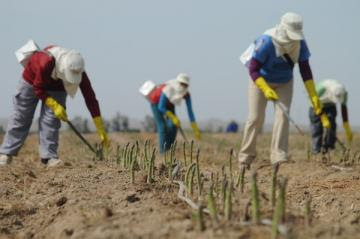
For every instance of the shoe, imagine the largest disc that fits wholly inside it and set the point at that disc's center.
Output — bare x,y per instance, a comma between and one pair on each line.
44,161
53,162
5,159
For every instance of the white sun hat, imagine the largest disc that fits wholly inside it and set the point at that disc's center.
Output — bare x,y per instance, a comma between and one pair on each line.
74,66
293,23
174,90
183,78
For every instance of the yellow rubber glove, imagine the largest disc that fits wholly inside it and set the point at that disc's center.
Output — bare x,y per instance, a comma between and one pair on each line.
348,132
269,93
310,88
325,121
173,118
58,109
196,130
99,124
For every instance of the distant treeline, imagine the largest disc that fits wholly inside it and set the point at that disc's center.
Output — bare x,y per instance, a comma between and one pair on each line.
118,123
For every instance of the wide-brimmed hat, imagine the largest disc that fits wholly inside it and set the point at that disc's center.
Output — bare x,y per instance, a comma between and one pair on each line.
293,24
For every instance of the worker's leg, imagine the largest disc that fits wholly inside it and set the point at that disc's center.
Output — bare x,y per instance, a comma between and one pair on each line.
316,131
25,102
49,127
280,134
160,127
330,137
257,104
171,130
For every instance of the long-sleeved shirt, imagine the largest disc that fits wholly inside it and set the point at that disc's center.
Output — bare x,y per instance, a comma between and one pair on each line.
255,66
38,73
165,104
159,98
277,69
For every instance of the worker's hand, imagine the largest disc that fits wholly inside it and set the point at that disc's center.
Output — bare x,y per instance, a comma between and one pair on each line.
325,121
173,118
269,93
310,88
99,124
58,109
348,132
196,130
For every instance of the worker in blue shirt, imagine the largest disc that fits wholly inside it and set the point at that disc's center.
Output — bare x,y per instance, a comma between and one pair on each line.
271,61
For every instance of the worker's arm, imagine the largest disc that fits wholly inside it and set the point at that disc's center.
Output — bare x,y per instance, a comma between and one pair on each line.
345,118
43,66
260,82
93,106
307,77
162,107
263,46
194,125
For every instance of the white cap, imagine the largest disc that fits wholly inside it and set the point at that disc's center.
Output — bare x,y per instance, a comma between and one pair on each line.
183,78
293,24
74,66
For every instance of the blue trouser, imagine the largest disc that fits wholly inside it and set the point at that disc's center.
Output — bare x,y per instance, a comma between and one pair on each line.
165,128
329,139
25,102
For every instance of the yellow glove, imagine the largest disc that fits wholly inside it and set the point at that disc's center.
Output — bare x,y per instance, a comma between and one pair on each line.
58,109
196,130
325,121
348,132
269,93
310,88
99,124
173,118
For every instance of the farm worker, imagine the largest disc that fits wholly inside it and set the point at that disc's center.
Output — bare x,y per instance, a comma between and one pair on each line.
271,67
163,100
49,75
330,93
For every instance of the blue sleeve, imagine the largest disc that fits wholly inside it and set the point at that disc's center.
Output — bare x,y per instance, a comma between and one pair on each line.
263,46
163,103
189,108
304,51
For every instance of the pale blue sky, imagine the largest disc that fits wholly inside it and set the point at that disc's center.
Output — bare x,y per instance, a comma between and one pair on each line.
125,43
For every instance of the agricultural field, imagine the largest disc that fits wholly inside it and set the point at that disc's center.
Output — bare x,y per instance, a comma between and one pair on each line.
134,192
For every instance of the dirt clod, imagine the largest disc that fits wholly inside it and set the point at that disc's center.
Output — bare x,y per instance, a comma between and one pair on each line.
132,198
61,201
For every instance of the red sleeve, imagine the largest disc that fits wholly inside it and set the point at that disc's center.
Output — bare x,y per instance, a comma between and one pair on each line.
89,96
42,70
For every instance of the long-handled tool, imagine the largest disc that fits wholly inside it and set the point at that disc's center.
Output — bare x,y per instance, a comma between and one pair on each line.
341,144
183,134
80,136
285,111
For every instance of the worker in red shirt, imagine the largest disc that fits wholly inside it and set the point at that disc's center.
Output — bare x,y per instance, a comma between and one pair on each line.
49,75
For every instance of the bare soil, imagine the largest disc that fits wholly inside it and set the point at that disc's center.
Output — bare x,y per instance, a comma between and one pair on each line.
87,198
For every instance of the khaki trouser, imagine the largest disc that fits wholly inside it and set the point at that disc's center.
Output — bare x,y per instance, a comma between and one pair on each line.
280,134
